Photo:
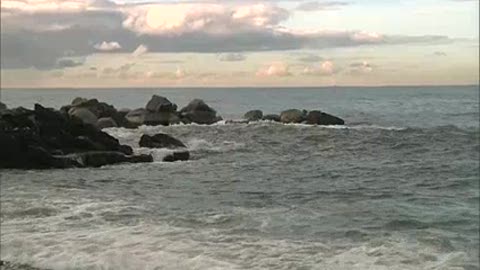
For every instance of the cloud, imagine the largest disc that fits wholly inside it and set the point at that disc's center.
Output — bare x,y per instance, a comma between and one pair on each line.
231,57
108,46
279,69
140,50
180,73
36,33
439,53
120,71
361,68
326,68
325,5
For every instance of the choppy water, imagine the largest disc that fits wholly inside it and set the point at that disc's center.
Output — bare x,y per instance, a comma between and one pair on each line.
397,188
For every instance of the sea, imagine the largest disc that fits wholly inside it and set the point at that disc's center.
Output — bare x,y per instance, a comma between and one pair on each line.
397,187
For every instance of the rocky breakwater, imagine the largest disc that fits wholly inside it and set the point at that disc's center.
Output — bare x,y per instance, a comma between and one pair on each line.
161,111
296,116
45,138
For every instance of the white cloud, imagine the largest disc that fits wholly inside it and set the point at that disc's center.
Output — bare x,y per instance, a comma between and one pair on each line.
326,68
107,46
140,50
180,73
275,69
360,68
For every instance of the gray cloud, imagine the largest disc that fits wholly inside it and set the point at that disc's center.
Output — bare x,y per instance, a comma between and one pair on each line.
231,57
40,39
324,5
67,63
310,58
439,53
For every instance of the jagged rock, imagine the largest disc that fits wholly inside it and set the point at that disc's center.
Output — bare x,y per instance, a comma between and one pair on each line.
197,111
272,117
101,158
321,118
253,115
292,116
3,107
40,139
160,104
106,122
160,140
84,114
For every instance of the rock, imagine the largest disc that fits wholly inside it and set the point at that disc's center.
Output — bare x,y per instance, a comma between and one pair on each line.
44,138
160,104
160,118
136,117
254,115
292,116
272,117
177,156
106,122
3,107
236,121
321,118
101,158
160,140
84,114
197,111
78,101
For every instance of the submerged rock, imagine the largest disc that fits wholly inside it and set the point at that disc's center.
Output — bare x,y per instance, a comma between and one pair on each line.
253,115
321,118
292,116
177,156
160,140
197,111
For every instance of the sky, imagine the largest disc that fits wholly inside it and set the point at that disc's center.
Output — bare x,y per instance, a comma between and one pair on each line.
222,43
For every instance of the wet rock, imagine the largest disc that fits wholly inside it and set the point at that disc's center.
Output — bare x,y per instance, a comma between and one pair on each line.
253,115
160,140
272,117
321,118
292,116
160,104
106,122
177,156
136,117
102,158
160,118
44,138
84,114
3,107
197,111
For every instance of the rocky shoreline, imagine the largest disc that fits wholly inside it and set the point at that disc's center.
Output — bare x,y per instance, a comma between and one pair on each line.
45,138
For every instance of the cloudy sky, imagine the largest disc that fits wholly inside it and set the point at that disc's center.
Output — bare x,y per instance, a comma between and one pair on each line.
113,43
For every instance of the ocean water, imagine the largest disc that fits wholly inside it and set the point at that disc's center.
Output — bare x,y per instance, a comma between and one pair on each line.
396,188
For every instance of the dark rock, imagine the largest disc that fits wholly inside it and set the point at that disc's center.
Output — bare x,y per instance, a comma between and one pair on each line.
101,158
84,114
78,101
39,138
3,106
272,117
160,140
292,116
160,118
197,111
321,118
136,117
254,115
106,122
177,156
160,104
